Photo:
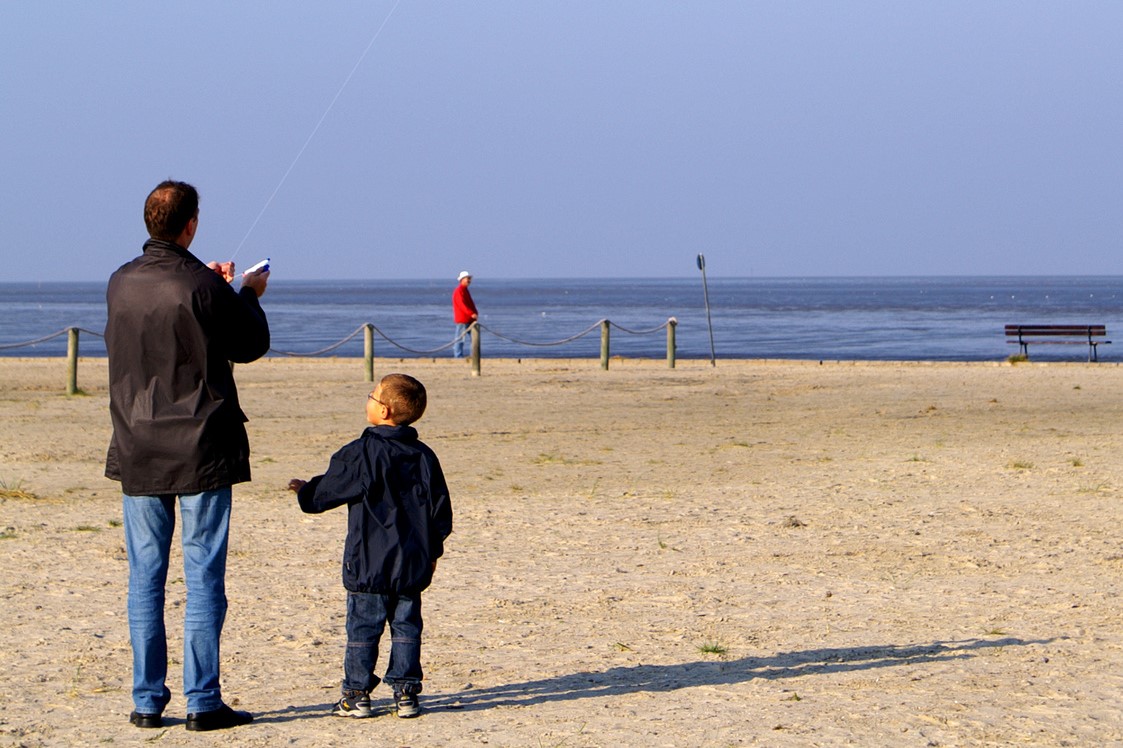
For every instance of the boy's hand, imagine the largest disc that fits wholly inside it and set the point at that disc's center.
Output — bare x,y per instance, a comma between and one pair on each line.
296,484
434,567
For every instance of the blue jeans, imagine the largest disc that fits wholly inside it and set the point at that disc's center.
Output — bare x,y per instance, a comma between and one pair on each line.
461,339
149,524
367,615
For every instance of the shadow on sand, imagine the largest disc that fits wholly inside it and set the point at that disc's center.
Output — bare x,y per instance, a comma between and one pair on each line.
619,681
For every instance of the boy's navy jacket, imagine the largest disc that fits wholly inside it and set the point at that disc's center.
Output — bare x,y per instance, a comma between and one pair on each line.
399,511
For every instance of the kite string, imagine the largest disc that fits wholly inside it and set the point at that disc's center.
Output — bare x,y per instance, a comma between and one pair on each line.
316,129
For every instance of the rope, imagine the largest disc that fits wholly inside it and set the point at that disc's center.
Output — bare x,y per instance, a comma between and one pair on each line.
640,332
544,345
395,343
52,336
381,334
384,336
320,352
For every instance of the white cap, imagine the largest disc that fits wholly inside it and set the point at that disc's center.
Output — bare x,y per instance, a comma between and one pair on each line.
463,274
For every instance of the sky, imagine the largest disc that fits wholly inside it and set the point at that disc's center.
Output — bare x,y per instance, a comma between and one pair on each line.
568,138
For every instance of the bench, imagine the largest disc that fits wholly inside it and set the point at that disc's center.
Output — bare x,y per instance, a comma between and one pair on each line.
1023,335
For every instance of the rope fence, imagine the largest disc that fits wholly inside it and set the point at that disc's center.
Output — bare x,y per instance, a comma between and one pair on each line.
368,331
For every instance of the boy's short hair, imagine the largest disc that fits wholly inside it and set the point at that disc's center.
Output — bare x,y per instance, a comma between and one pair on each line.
405,396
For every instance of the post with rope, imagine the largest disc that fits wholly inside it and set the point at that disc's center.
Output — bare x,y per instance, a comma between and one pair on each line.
475,330
368,350
671,324
72,361
604,324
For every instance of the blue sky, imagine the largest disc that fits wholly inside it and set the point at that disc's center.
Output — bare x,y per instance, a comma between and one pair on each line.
532,138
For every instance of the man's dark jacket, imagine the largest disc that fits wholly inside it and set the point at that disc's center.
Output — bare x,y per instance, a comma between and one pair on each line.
399,512
174,326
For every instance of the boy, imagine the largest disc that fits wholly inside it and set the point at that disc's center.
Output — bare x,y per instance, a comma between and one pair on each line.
399,514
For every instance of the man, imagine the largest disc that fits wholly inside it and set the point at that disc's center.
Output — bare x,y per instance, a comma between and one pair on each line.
463,311
174,326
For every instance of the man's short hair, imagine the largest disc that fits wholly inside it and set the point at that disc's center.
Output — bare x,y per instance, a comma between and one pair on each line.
405,396
169,208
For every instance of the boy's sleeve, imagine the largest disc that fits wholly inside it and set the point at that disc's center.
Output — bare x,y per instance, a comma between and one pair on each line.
343,483
440,508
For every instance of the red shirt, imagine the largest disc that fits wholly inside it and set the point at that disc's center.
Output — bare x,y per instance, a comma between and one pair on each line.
463,308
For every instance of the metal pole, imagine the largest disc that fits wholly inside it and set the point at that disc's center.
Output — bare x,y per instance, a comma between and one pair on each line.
709,320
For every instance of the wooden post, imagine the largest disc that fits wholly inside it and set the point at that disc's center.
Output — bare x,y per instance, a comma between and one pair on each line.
604,344
671,324
368,350
72,361
475,330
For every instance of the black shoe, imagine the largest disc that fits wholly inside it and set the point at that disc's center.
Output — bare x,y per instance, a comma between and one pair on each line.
140,719
217,719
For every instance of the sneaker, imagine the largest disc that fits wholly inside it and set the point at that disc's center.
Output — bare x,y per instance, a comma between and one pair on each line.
406,704
353,704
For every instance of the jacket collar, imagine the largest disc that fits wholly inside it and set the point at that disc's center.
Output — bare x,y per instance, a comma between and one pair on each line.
400,433
161,246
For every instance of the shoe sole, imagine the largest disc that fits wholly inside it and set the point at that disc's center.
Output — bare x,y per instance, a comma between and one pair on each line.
353,713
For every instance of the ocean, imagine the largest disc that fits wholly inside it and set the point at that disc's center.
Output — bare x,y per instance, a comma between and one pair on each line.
837,319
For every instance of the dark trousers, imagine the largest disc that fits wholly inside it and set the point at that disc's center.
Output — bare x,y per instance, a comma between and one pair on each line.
367,615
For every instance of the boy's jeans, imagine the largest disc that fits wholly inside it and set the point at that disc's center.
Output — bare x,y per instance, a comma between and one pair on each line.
149,524
367,615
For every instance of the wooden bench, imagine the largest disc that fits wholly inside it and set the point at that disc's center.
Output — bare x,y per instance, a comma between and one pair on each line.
1023,335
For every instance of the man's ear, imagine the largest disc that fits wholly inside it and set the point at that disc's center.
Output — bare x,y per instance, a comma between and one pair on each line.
188,234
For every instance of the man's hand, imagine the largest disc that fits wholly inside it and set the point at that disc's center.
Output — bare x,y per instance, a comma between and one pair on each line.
257,281
296,484
225,269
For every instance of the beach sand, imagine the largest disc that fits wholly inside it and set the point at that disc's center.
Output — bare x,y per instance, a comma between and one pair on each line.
758,553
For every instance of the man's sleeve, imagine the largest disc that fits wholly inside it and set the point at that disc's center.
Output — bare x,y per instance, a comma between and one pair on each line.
235,320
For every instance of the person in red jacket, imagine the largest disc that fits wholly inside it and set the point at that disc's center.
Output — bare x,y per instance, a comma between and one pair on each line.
463,311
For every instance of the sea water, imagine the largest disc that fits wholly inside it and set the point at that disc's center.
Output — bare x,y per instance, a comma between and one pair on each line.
923,318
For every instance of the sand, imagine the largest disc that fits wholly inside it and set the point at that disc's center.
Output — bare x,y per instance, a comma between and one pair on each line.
761,553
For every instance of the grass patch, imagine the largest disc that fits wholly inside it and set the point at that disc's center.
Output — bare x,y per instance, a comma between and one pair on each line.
1077,462
87,528
1017,358
15,491
712,648
1020,465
